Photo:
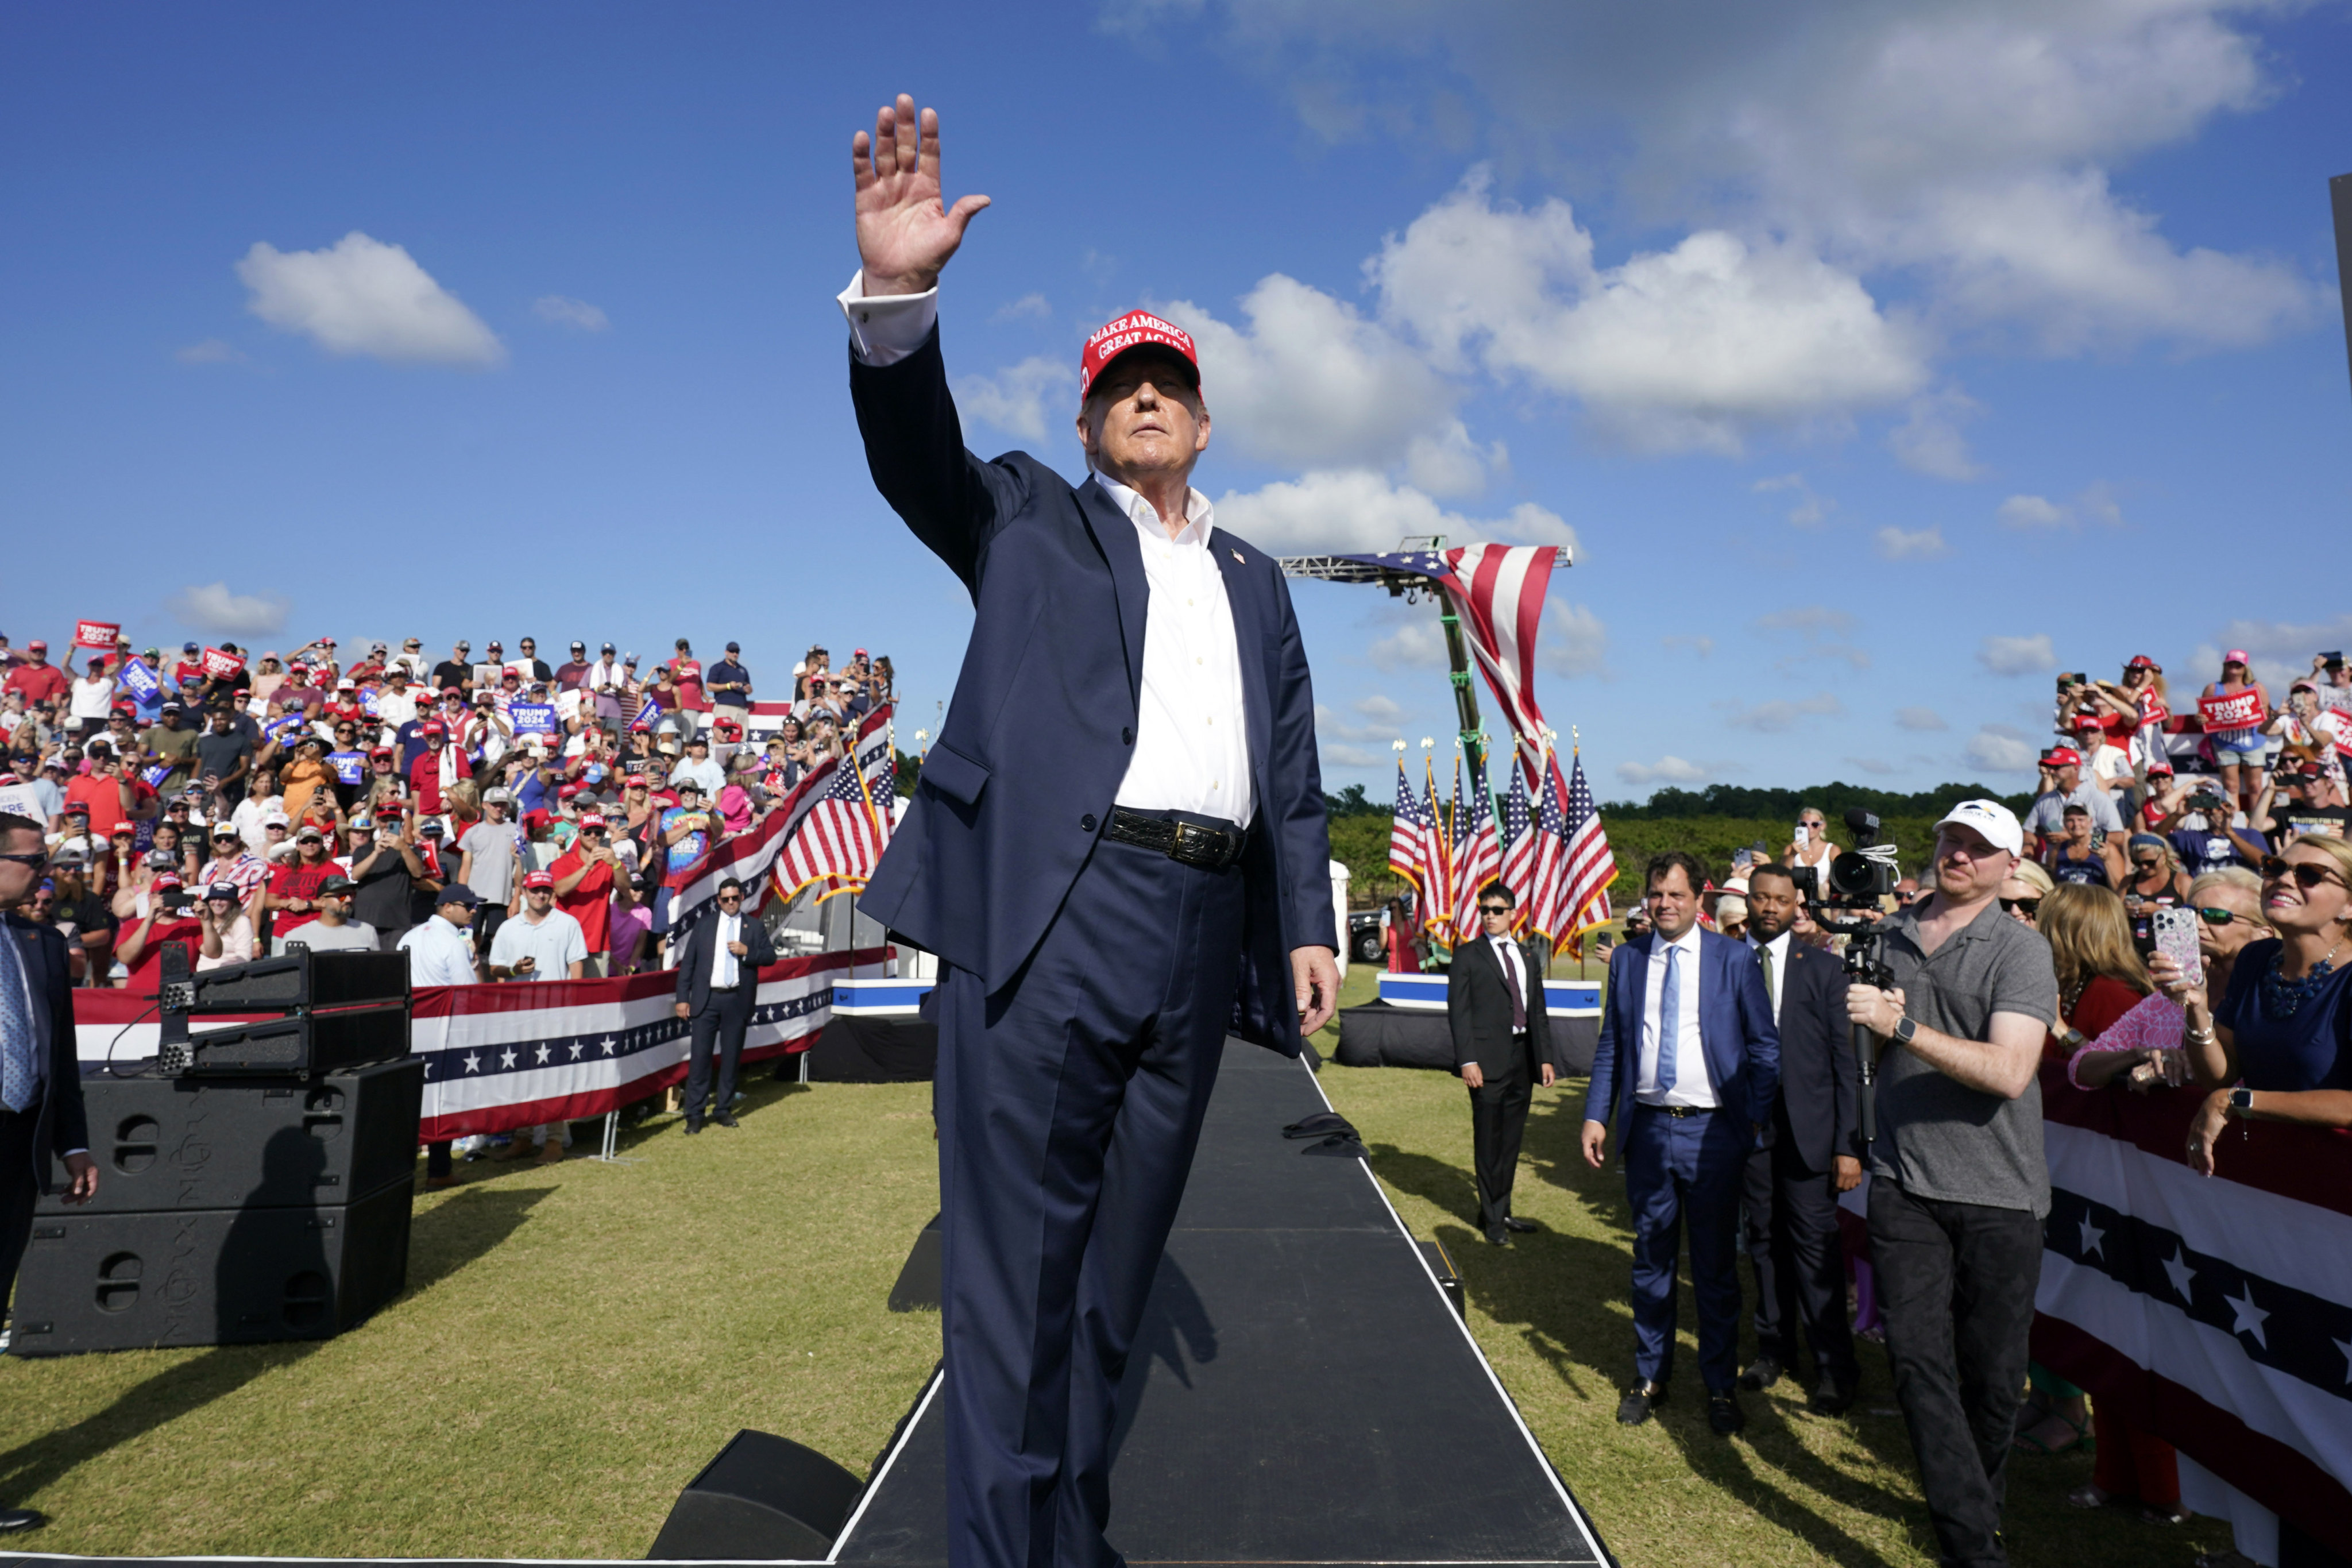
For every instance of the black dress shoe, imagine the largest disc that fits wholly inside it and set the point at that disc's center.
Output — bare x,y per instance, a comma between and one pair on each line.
1497,1236
1639,1402
725,1119
1761,1373
693,1125
1513,1222
1724,1416
1831,1396
15,1520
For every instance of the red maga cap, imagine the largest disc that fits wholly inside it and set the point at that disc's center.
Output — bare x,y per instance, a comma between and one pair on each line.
1133,330
532,880
2064,757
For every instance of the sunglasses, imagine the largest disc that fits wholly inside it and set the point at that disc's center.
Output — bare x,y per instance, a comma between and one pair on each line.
2306,874
2217,916
2145,865
1494,909
36,858
2031,906
730,898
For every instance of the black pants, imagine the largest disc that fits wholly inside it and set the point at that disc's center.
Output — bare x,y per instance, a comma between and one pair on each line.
1499,1119
18,1189
721,1021
1792,1249
487,921
1956,1282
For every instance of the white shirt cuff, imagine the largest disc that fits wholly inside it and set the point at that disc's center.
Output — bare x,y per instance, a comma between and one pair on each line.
886,328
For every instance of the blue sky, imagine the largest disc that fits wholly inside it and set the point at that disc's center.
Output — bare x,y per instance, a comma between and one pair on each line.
1859,348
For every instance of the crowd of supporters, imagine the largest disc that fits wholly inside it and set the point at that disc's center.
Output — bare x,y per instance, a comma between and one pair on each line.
228,802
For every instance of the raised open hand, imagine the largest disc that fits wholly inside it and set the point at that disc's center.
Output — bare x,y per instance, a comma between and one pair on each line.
905,234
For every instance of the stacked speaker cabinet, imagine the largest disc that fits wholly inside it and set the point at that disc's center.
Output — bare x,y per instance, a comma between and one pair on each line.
237,1206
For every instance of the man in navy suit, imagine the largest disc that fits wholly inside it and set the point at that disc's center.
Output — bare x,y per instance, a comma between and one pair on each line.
1687,1066
1117,849
40,1070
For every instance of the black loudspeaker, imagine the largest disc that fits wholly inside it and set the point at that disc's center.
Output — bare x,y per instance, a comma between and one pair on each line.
919,1287
298,978
304,1042
764,1498
209,1277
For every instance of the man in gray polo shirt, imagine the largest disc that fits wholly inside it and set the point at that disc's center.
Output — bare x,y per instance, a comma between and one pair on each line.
1958,1187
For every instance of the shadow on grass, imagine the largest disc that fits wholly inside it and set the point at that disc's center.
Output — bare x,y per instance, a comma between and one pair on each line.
1568,1299
443,1239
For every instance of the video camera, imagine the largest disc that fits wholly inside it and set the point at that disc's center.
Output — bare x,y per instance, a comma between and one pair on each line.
1858,878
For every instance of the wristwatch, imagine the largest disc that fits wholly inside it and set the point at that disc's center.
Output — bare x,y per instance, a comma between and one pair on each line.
1905,1027
2241,1101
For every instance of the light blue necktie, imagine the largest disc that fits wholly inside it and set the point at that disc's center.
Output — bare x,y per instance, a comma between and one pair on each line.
1670,1019
17,1076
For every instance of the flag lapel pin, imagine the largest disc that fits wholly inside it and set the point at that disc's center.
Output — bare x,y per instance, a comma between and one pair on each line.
1237,559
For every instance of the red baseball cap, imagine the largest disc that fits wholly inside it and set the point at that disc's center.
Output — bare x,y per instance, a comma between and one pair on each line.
1135,329
433,727
2235,655
538,880
2141,661
566,791
2062,757
592,819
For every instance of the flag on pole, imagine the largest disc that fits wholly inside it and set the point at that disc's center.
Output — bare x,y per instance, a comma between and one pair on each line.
1478,855
1518,840
1408,831
1437,865
1498,595
836,847
1580,893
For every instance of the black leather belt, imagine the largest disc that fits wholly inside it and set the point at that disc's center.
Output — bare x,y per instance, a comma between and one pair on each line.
1676,1111
1194,844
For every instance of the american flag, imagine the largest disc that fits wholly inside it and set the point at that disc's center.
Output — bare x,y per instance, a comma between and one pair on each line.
1498,590
1477,858
837,845
1573,868
1519,845
1408,831
1436,865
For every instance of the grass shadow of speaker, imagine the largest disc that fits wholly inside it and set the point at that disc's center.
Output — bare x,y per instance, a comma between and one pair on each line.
1176,1331
467,1224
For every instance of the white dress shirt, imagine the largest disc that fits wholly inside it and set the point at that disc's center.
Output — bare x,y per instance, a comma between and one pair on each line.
725,972
1692,1086
1776,951
1514,966
439,953
1191,749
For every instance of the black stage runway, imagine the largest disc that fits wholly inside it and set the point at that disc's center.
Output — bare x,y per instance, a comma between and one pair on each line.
1301,1392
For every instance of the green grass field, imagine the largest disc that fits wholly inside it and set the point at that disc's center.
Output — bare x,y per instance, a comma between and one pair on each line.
578,1341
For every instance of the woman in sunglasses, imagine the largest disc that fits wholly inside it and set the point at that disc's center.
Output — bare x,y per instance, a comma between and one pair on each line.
2273,1047
2023,890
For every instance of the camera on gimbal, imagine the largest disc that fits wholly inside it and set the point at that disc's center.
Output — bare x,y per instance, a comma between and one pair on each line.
1858,878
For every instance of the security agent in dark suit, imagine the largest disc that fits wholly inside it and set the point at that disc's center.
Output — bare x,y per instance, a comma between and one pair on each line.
718,980
1791,1183
1502,1046
1118,850
40,1070
1685,1067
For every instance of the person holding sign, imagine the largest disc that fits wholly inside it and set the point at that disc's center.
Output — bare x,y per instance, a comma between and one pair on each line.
2235,709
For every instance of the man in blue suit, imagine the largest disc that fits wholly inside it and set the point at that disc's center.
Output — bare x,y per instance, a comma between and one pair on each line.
1118,850
41,1116
1687,1066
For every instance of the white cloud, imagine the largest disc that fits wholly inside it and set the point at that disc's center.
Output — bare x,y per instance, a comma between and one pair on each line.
2280,650
1311,384
564,312
1700,644
1039,393
1667,770
1922,544
1873,766
2017,656
1359,510
1811,511
1414,643
1929,440
361,296
1380,708
1967,145
1780,715
2033,511
1997,748
1823,631
212,351
1572,640
213,609
1029,307
1692,347
1919,719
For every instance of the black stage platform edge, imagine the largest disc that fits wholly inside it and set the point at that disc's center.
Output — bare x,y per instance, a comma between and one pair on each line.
1377,1034
875,1050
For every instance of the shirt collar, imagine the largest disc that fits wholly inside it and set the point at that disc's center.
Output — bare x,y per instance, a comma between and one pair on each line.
1200,517
1687,942
1777,946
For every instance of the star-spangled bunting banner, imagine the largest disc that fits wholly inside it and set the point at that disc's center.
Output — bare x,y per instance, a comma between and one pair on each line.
2214,1312
498,1057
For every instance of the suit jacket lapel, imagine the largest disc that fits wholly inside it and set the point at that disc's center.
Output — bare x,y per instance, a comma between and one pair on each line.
1245,593
1115,537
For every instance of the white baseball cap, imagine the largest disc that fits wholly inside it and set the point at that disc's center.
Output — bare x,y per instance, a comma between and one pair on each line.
1992,821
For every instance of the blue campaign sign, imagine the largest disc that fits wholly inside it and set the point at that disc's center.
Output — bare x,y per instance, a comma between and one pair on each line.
155,774
281,728
532,718
140,680
368,700
351,767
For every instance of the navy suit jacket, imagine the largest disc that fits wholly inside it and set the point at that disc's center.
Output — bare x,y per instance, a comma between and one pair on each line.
1735,1029
1820,1094
694,958
62,1124
1019,785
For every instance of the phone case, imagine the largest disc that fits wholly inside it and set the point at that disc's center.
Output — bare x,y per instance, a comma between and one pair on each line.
2176,935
